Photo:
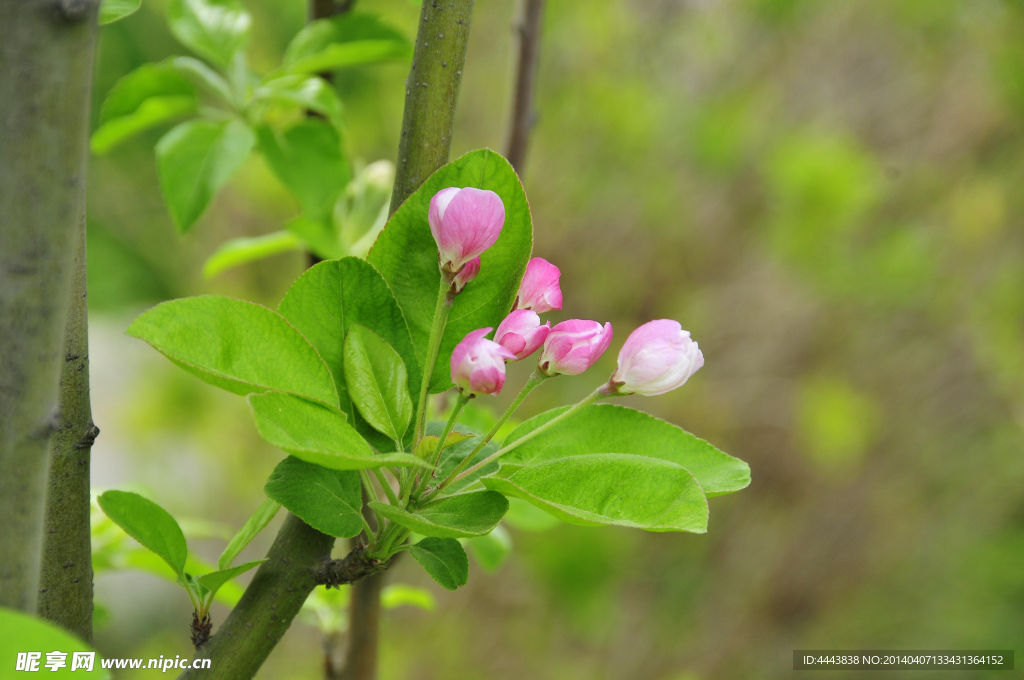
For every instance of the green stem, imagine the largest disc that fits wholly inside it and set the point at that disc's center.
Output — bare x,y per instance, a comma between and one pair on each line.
387,487
536,378
460,404
65,575
441,311
590,399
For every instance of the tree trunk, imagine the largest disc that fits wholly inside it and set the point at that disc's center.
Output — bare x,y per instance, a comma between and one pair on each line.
65,580
46,58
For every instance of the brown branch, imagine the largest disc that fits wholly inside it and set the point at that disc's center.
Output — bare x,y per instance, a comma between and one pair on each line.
524,117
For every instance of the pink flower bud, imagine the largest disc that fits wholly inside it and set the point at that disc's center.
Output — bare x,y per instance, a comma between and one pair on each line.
478,364
657,357
465,223
539,290
467,274
573,346
521,333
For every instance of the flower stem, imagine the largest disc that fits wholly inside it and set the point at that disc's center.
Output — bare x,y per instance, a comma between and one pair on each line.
536,378
441,310
589,399
384,485
460,404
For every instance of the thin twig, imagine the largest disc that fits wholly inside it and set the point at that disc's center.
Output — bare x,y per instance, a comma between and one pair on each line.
524,117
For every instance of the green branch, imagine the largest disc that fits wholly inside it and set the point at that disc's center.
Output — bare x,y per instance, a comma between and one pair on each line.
46,63
65,579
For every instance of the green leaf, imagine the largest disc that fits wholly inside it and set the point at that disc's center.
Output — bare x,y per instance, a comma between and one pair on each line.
405,253
608,428
194,160
427,447
201,74
362,209
143,560
214,580
149,524
245,249
324,303
612,489
444,559
307,159
20,632
526,517
457,516
377,381
238,346
305,91
319,235
350,39
317,435
491,550
152,112
150,95
399,594
457,452
330,501
115,10
250,530
214,29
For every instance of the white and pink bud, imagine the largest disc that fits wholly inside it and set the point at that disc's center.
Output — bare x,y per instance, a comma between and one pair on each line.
539,290
468,273
522,333
465,223
657,357
478,364
573,346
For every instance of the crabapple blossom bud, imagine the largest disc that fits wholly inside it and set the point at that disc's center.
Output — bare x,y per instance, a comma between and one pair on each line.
539,290
478,364
521,333
465,223
573,346
657,357
467,274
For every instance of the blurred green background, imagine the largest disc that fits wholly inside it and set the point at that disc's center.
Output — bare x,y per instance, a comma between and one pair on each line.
822,192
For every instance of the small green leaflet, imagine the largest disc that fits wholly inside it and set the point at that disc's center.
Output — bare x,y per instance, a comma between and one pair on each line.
611,489
307,158
324,303
350,39
245,249
457,516
115,10
149,96
216,30
317,434
250,530
238,346
215,580
492,550
609,428
330,501
444,559
194,160
377,381
149,524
